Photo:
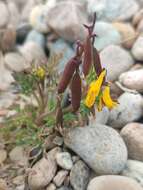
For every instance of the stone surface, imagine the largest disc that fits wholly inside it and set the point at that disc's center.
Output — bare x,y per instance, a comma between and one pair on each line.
97,146
112,35
38,18
127,32
134,169
15,62
69,23
3,155
4,15
79,176
51,186
129,109
113,182
3,185
113,10
116,60
137,18
138,48
64,160
132,79
18,156
132,134
43,171
60,177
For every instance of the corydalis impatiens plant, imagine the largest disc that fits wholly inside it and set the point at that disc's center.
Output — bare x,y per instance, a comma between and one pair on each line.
98,91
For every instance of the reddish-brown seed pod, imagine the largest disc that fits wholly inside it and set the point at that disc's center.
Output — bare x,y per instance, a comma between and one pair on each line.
67,74
76,91
97,62
87,56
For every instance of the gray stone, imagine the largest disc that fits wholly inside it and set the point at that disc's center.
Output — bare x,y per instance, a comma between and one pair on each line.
129,109
43,171
138,48
132,79
64,160
113,182
15,62
134,169
132,134
113,10
60,177
79,176
116,60
3,156
112,35
4,15
97,146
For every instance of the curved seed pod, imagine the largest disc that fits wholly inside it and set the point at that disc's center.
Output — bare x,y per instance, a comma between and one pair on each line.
97,62
67,74
76,91
87,56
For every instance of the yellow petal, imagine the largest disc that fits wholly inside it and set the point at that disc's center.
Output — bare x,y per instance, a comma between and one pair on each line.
107,98
100,104
94,90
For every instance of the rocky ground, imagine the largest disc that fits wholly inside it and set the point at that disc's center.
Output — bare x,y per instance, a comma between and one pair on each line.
107,154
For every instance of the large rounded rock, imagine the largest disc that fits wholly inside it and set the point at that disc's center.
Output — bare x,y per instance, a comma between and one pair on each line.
14,16
112,35
133,136
97,146
129,109
134,169
116,60
4,15
132,79
111,182
138,49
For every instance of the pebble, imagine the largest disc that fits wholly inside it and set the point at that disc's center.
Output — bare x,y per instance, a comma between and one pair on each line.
64,160
79,176
132,79
51,186
137,49
116,60
3,156
18,156
97,145
134,169
15,62
48,142
3,185
4,15
113,182
37,19
109,10
129,109
43,171
60,177
58,141
128,33
132,134
112,35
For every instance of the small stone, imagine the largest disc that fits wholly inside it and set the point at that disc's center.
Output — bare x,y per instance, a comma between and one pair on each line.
43,171
112,35
58,141
3,155
75,159
18,180
127,32
116,60
51,186
64,160
134,169
132,134
3,185
79,176
113,182
15,62
137,18
4,15
129,109
48,143
138,48
60,177
37,18
132,79
64,188
97,145
18,156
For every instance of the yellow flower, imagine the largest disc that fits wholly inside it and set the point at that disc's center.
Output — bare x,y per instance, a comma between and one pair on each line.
94,90
107,98
40,73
